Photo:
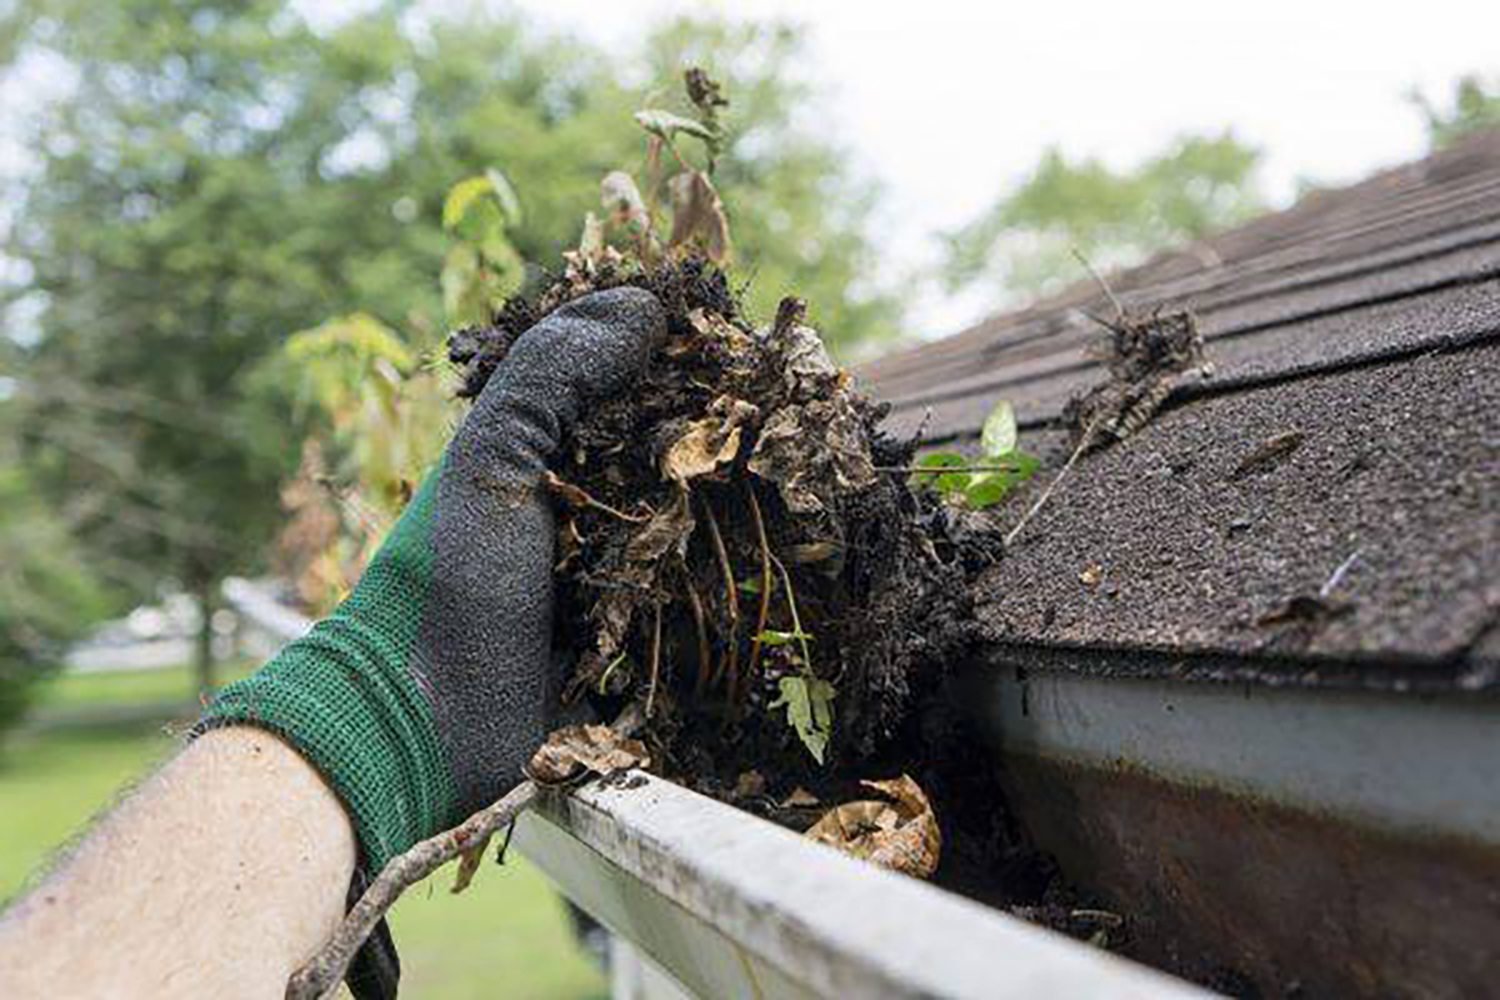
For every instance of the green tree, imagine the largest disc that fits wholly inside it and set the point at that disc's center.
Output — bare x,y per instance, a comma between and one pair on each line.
1025,242
1475,106
47,594
215,176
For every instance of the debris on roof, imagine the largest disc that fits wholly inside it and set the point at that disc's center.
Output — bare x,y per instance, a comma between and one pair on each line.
1323,508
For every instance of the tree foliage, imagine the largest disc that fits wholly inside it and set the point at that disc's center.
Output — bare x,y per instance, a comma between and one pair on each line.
216,176
46,594
1475,105
1025,242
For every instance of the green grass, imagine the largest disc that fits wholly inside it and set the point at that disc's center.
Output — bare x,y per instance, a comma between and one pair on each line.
127,687
507,936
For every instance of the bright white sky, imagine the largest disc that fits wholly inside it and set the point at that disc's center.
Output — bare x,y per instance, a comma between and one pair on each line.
949,102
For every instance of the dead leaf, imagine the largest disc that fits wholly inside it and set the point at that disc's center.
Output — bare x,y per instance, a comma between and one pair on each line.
714,326
468,866
572,752
620,196
814,454
800,798
809,369
698,215
901,835
668,530
708,443
749,785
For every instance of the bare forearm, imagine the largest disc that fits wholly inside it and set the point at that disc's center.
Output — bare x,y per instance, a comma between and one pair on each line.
218,877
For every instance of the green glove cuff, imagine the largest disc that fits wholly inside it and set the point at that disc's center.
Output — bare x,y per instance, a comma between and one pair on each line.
344,697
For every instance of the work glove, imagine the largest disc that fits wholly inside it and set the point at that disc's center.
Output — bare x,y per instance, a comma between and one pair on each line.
422,696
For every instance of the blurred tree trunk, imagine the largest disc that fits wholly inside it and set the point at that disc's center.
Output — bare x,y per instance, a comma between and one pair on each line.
204,589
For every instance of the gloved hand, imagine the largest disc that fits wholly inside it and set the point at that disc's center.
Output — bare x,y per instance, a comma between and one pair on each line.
423,694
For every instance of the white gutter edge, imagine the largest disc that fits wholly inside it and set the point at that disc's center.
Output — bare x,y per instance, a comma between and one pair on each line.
734,906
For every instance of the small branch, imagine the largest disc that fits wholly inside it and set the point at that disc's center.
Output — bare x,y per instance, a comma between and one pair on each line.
1109,292
765,586
655,661
1332,583
323,973
731,661
938,470
791,602
718,539
695,604
579,497
1041,501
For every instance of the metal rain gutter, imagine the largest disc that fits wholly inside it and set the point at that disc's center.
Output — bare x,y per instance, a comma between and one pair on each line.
724,904
1343,842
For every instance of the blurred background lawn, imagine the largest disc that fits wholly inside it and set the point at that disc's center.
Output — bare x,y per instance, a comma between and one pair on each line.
93,735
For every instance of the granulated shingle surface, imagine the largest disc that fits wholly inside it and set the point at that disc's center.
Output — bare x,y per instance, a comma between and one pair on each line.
1357,344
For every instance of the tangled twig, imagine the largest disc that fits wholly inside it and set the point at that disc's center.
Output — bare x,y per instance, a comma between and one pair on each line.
765,586
695,604
655,661
1041,501
579,497
321,975
731,661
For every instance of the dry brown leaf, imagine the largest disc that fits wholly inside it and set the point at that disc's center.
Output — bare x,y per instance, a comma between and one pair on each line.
902,835
714,326
619,195
808,367
468,866
815,454
698,214
574,751
749,785
667,530
708,443
800,798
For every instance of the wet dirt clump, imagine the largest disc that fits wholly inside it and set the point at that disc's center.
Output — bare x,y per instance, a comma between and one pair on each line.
741,556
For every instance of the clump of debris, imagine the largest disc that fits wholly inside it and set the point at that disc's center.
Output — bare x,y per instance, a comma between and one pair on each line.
751,569
743,555
741,550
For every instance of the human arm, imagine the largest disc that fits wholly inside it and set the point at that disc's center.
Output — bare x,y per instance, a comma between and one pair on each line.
421,696
218,876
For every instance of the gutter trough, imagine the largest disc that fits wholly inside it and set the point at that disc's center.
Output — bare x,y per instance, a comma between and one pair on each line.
1290,841
716,903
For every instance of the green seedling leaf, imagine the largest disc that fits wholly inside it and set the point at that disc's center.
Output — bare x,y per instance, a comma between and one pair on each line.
751,585
809,710
987,492
1023,466
773,637
666,124
951,482
505,194
462,197
999,435
989,488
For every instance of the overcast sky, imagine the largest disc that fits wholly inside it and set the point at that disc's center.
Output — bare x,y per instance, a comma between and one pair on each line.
949,102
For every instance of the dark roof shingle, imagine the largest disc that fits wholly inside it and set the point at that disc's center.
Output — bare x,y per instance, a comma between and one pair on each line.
1363,322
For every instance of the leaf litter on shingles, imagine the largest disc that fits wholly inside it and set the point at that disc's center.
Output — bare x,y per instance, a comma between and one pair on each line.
898,831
